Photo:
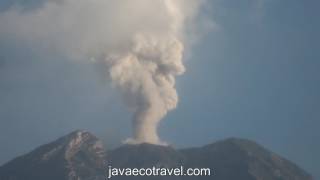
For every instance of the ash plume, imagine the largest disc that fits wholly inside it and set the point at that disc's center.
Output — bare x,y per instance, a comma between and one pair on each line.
140,42
146,77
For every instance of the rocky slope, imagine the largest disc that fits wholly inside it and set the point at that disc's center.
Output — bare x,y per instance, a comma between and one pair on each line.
81,156
77,155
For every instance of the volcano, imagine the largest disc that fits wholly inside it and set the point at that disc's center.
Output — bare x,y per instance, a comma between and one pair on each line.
81,156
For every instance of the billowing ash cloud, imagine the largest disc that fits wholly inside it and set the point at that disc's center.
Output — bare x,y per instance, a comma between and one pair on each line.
141,43
145,74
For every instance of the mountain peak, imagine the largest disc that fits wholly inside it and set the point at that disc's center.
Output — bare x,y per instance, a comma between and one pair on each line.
71,144
245,159
77,133
80,155
80,139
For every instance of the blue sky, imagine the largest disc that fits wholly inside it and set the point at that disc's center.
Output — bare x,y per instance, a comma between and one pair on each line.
256,75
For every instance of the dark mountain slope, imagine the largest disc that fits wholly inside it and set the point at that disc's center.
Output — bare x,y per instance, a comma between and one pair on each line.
145,155
80,156
243,160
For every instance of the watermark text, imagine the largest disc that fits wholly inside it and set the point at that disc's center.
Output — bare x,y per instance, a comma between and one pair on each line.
158,171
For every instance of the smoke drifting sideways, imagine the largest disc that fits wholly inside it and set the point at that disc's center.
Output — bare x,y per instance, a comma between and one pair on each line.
140,42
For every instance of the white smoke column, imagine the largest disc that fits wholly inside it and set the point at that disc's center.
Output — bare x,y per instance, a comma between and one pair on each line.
146,77
146,72
141,42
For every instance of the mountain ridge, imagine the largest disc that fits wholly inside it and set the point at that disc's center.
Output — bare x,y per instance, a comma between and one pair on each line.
81,156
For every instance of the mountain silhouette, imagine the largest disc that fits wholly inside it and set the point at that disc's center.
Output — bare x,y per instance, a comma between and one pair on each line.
81,156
